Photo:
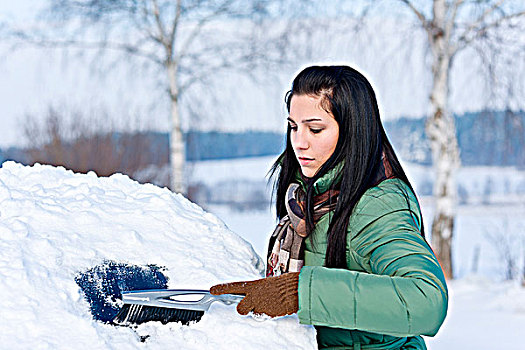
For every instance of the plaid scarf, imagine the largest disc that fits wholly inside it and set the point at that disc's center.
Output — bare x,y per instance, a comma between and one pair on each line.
286,247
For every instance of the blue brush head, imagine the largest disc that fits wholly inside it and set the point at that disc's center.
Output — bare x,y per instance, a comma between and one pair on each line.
103,285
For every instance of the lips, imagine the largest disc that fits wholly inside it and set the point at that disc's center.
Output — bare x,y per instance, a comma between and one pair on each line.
305,160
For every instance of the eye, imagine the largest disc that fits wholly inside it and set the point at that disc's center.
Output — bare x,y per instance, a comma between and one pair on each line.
293,127
316,131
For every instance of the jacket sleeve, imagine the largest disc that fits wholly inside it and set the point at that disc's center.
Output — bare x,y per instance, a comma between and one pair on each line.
404,295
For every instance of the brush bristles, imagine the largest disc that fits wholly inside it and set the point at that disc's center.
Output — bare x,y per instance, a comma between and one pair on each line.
137,314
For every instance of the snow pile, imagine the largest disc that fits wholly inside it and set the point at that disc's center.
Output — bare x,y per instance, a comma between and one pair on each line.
54,224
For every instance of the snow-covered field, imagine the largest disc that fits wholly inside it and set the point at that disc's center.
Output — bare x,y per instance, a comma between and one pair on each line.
55,224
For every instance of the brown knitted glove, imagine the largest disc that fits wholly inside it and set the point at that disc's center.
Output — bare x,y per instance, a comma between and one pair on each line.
273,296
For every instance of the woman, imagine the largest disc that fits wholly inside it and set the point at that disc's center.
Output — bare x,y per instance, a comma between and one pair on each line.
349,253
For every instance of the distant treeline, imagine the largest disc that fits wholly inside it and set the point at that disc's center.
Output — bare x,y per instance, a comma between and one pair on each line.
199,145
485,138
221,145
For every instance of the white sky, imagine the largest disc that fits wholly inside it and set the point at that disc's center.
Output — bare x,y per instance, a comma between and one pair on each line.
33,79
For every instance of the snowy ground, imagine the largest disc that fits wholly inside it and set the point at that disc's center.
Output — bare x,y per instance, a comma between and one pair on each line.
483,314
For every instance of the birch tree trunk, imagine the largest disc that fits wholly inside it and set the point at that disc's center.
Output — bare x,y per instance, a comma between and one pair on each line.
448,33
441,131
177,146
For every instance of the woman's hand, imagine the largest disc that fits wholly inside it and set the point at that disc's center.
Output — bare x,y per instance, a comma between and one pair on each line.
273,296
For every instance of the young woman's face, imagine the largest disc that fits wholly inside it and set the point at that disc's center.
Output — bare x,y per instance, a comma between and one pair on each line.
314,133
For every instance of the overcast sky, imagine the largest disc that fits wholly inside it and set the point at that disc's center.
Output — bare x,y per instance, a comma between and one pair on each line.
33,79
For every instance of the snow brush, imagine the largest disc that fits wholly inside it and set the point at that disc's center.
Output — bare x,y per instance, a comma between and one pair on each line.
168,305
143,289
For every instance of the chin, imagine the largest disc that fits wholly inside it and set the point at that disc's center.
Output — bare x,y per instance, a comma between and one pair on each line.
308,172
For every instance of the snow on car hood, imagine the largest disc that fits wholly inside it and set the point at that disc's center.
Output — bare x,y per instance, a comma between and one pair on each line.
55,223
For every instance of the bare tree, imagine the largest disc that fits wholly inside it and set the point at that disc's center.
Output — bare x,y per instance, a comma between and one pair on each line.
451,27
83,142
187,41
507,245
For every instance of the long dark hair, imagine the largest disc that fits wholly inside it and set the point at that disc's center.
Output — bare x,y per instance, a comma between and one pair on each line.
349,97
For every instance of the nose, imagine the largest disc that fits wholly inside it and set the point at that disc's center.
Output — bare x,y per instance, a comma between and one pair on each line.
300,139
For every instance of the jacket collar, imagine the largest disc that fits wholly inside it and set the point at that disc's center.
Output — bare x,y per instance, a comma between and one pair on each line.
322,184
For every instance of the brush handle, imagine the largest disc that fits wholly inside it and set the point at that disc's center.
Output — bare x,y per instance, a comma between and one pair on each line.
186,299
228,298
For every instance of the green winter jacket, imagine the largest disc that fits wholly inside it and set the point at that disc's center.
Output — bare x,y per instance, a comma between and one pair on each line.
393,289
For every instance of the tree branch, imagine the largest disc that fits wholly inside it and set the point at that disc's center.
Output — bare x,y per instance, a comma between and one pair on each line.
451,23
480,31
144,24
160,26
175,24
418,13
198,27
76,44
475,26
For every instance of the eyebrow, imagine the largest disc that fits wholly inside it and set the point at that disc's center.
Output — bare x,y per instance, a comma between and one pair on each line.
307,120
